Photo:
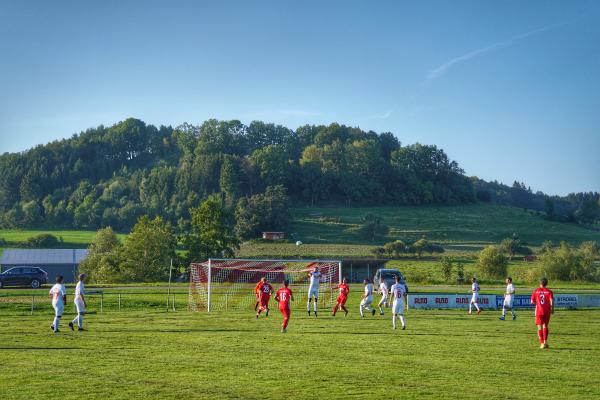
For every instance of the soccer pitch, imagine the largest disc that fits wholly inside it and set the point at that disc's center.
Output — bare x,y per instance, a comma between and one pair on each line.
183,355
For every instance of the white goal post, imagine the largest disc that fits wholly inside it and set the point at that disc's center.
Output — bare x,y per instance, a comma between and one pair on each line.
228,284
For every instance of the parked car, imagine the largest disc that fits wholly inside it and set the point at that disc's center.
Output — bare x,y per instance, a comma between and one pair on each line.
388,276
33,277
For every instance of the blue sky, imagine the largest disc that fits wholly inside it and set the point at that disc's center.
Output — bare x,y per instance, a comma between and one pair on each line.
511,90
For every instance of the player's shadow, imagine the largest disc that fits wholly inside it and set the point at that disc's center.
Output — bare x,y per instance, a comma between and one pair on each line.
43,348
572,349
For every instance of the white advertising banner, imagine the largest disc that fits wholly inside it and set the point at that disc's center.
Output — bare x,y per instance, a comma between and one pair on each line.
443,300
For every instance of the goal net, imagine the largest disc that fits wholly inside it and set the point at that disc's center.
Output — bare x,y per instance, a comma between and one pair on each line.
228,284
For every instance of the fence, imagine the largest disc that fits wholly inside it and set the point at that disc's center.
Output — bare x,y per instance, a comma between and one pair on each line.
100,301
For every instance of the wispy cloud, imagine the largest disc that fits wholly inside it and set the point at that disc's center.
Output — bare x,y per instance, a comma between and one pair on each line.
385,115
441,70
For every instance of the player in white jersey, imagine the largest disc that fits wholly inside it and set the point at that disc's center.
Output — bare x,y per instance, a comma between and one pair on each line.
80,304
398,291
367,299
58,294
313,289
475,297
509,297
383,290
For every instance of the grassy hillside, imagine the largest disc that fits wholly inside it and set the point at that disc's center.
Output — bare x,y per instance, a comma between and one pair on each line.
459,226
333,232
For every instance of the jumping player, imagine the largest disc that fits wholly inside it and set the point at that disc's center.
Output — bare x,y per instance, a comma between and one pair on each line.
383,290
367,298
313,289
80,304
398,291
475,297
58,294
543,299
283,296
342,298
265,294
257,292
509,297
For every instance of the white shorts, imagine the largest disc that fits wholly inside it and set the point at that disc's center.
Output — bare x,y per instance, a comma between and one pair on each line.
398,307
58,309
366,302
313,292
508,302
80,305
383,300
474,298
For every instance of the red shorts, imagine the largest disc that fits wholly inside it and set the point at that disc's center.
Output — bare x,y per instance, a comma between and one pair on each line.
264,300
543,319
342,300
285,310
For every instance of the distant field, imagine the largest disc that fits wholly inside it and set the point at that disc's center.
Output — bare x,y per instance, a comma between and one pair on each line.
468,226
70,237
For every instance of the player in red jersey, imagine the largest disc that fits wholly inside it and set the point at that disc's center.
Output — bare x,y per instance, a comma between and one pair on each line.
543,299
341,300
283,296
265,294
257,292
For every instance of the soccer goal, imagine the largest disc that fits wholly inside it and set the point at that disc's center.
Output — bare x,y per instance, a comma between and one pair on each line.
228,284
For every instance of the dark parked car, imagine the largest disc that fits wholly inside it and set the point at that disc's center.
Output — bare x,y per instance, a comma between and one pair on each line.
388,276
33,277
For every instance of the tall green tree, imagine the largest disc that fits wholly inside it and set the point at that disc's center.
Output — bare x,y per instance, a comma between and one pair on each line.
211,232
148,251
492,262
102,261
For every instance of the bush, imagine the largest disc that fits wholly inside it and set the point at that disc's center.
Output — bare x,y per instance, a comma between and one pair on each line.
379,252
566,263
395,248
460,273
43,240
492,262
446,267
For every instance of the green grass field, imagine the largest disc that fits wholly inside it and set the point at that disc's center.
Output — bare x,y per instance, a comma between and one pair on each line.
145,352
475,224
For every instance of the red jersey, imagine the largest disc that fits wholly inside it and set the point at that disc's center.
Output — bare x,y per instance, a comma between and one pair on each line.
542,297
266,288
284,295
258,287
344,289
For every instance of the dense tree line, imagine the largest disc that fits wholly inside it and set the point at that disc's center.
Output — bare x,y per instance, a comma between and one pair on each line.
112,176
583,208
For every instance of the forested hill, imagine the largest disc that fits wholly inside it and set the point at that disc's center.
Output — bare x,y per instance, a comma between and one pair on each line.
111,176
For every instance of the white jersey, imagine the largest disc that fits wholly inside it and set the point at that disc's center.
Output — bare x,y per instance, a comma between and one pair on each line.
383,290
398,290
369,290
58,291
475,288
79,290
315,279
510,292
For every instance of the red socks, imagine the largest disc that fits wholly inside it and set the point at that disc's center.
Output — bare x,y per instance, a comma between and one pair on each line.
545,333
541,336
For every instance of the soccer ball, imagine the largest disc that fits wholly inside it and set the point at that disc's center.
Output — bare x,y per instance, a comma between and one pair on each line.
298,243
